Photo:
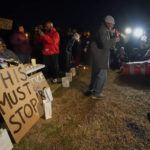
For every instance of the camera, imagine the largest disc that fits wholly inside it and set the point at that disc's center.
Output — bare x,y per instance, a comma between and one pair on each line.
39,28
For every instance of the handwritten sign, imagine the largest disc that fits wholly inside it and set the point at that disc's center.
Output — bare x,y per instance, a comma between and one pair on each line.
6,24
18,101
39,84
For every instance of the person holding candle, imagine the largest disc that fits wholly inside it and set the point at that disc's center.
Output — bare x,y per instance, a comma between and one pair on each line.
21,45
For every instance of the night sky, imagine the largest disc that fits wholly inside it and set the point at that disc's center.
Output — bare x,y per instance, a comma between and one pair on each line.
87,14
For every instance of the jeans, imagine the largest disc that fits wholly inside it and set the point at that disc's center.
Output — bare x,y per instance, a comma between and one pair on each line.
98,79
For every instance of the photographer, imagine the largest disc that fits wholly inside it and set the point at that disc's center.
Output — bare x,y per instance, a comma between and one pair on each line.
49,38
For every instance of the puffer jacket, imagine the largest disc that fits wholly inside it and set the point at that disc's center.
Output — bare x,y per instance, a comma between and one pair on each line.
50,42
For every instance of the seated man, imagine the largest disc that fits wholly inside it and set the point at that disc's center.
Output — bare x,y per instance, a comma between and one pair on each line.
6,54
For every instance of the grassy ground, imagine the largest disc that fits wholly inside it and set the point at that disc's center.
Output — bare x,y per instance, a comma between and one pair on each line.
79,123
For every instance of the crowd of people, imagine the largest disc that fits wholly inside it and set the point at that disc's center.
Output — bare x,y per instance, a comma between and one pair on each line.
58,51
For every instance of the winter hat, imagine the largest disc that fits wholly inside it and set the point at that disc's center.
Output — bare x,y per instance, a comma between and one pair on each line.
109,19
76,36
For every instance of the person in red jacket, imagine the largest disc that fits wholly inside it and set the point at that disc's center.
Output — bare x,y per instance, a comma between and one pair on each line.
50,41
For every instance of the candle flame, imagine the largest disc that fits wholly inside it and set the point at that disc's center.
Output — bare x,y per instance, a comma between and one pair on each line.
27,35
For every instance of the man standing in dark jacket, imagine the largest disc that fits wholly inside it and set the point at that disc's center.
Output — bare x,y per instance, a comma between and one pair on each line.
100,52
50,40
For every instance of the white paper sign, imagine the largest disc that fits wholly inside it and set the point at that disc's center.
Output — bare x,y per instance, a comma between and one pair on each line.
48,109
69,75
65,82
73,71
5,142
48,94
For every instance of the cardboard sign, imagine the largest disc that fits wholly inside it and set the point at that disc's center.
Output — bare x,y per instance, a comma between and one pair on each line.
18,101
39,84
6,24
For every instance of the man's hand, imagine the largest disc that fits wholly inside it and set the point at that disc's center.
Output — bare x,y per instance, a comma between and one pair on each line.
41,33
117,39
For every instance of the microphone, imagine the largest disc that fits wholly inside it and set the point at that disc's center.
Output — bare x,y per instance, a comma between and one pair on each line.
118,33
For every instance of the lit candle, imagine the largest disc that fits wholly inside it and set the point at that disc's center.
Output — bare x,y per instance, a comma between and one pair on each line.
84,68
33,62
27,35
73,71
65,82
69,76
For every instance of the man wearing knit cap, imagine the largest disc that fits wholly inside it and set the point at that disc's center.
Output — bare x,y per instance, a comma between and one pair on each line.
100,52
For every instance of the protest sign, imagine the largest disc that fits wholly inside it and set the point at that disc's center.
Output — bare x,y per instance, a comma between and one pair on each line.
18,101
39,84
6,24
47,109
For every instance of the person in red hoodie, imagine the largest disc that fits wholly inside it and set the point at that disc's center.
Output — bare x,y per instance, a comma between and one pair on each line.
50,40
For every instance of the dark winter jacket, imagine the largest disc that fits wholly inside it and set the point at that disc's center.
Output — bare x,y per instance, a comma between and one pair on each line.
20,44
100,48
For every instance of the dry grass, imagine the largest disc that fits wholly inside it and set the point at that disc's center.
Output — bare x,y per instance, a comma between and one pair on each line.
79,123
